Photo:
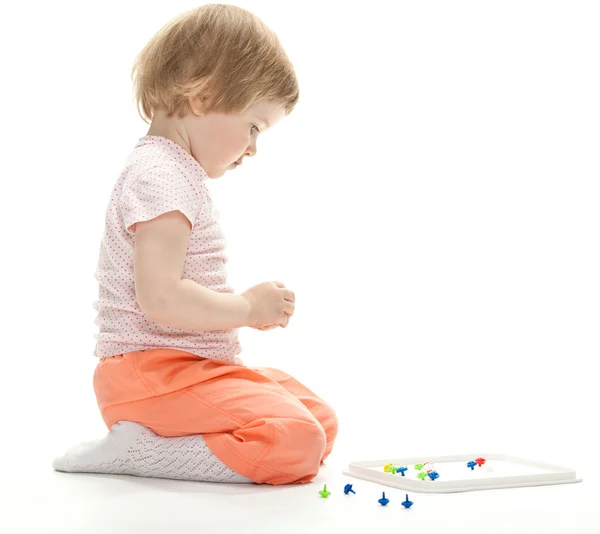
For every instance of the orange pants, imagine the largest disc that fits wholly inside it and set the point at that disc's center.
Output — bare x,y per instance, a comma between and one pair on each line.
262,423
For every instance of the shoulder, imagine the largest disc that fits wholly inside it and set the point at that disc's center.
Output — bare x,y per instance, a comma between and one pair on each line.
159,162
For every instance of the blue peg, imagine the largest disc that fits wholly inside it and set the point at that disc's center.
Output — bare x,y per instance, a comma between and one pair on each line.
348,489
402,470
383,501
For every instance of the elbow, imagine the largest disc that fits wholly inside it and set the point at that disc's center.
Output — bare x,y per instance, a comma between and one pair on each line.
154,309
155,304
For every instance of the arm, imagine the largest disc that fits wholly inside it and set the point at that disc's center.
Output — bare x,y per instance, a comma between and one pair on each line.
163,295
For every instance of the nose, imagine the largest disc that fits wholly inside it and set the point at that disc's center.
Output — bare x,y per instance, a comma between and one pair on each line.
251,150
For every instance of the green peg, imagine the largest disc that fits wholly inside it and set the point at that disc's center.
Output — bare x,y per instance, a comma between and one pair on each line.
418,467
324,493
422,475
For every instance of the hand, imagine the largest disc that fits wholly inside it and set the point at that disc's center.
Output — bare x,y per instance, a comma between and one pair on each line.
270,305
271,326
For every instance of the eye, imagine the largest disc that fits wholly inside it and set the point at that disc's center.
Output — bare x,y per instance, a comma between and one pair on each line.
254,126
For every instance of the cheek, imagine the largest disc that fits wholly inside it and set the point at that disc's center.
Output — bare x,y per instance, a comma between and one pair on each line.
220,149
232,146
223,142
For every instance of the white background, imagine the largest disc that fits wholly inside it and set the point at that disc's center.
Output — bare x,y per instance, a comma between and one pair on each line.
432,201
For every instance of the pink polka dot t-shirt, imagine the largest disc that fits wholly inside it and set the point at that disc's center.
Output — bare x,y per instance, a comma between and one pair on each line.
159,176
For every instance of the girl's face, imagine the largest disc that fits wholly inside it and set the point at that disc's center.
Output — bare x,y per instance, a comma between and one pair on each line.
220,142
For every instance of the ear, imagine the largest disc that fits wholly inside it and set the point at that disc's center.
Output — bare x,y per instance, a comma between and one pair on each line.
196,104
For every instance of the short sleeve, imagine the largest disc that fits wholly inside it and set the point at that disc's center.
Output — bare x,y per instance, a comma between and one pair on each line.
156,191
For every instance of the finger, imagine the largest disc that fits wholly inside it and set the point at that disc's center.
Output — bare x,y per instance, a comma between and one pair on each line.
279,284
288,295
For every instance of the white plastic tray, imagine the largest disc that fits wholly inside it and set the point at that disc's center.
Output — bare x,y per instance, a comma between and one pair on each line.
499,471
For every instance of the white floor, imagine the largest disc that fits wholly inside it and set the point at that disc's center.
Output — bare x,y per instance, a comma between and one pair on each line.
52,502
34,499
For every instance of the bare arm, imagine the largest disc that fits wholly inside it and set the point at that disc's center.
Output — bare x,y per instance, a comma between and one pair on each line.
164,295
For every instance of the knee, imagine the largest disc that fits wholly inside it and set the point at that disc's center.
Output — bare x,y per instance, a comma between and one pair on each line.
308,440
331,427
301,450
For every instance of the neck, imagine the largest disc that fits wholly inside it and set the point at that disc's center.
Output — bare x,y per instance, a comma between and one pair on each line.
170,127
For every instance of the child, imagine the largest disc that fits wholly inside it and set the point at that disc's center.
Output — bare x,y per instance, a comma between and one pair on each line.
177,400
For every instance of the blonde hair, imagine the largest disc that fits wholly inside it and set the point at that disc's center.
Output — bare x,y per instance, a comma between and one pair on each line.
220,53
